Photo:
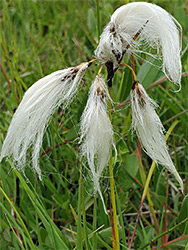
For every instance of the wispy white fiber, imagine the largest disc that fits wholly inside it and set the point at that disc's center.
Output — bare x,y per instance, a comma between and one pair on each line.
96,131
32,115
150,129
157,29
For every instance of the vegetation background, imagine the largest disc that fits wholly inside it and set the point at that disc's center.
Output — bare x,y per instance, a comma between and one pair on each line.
37,38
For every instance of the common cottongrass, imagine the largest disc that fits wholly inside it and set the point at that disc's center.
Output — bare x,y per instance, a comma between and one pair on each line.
131,26
32,115
150,129
146,24
96,131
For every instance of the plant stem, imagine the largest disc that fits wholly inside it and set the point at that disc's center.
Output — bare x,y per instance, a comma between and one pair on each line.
84,217
19,220
165,238
116,240
98,20
147,183
121,220
160,230
111,219
149,200
95,223
142,200
161,235
79,244
143,177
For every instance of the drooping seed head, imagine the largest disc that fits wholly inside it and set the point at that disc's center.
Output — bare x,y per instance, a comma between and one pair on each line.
140,27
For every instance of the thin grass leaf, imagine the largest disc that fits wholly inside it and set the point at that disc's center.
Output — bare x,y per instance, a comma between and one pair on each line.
19,219
79,243
144,233
56,234
160,229
124,245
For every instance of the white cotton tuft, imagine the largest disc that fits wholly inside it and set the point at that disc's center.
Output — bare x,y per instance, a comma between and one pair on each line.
155,28
96,132
150,129
32,115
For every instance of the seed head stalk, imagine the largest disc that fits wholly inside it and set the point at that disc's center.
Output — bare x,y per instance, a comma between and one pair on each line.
115,242
95,223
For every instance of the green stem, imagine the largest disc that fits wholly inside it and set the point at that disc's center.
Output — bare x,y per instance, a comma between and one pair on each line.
143,177
161,235
95,223
15,234
121,220
36,216
79,244
160,230
154,164
98,20
148,182
113,200
143,198
19,219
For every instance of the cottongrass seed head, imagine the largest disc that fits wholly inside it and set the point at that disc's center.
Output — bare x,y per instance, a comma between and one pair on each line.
150,129
32,115
137,27
146,24
96,131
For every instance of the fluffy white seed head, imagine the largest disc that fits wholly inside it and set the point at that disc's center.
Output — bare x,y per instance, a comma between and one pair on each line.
155,28
150,129
32,115
96,131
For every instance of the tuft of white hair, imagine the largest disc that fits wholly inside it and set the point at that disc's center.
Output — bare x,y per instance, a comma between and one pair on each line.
142,23
96,131
32,115
150,129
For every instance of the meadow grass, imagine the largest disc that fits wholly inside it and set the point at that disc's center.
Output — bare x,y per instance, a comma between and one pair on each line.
40,37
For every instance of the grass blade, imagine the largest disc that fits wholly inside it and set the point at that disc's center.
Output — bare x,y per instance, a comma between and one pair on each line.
79,244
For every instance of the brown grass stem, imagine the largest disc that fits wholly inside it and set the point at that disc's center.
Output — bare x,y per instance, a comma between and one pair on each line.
5,75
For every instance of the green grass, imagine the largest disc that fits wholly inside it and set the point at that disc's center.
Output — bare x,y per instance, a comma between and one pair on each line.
37,38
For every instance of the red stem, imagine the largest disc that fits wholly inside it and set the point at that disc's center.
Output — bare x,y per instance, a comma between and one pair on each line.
112,221
137,219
